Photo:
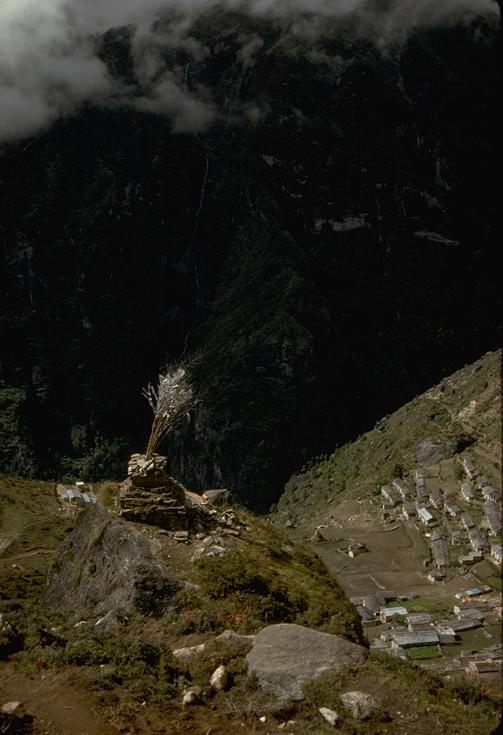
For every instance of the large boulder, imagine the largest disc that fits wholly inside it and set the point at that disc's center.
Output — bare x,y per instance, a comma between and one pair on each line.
107,565
284,657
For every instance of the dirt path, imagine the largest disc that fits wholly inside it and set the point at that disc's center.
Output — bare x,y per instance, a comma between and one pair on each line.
24,554
57,706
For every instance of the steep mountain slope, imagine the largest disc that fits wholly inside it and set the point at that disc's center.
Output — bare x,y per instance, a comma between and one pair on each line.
463,411
331,231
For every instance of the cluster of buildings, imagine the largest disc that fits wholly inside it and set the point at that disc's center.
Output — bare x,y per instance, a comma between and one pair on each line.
395,629
74,498
445,519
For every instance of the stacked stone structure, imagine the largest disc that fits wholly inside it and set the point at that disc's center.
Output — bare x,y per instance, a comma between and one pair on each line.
151,496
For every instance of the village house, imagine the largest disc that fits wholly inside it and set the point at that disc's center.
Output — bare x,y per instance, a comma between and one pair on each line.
457,537
387,613
365,615
422,498
436,575
496,553
419,621
481,481
418,638
472,558
467,521
436,499
469,467
484,667
466,623
490,493
467,492
440,553
402,487
452,508
374,603
74,496
420,481
409,511
477,541
419,474
426,517
492,512
446,634
391,495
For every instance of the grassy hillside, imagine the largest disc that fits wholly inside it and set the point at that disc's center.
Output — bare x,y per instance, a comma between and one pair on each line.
31,528
462,411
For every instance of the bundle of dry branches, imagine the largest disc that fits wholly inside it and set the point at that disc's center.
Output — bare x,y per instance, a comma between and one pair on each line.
171,400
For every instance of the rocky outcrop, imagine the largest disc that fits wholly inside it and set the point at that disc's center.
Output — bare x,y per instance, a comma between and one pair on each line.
109,566
284,657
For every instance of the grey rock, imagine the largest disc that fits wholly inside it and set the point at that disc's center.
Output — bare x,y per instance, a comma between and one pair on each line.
220,678
286,656
240,643
13,708
428,452
189,652
235,638
330,716
360,704
107,565
192,695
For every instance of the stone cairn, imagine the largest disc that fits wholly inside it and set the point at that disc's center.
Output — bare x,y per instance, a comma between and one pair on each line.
151,496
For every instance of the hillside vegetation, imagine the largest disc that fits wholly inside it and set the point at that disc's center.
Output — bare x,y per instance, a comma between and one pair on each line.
31,528
463,410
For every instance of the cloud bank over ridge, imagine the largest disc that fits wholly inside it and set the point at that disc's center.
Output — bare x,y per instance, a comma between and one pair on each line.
49,64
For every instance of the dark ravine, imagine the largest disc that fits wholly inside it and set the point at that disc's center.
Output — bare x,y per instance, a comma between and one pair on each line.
338,252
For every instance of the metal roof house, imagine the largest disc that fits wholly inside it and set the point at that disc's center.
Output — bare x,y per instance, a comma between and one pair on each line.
73,496
88,499
425,516
389,612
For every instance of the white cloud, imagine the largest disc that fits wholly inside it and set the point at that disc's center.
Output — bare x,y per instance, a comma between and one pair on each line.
48,63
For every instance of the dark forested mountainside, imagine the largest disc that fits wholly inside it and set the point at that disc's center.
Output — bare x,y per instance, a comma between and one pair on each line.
320,253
